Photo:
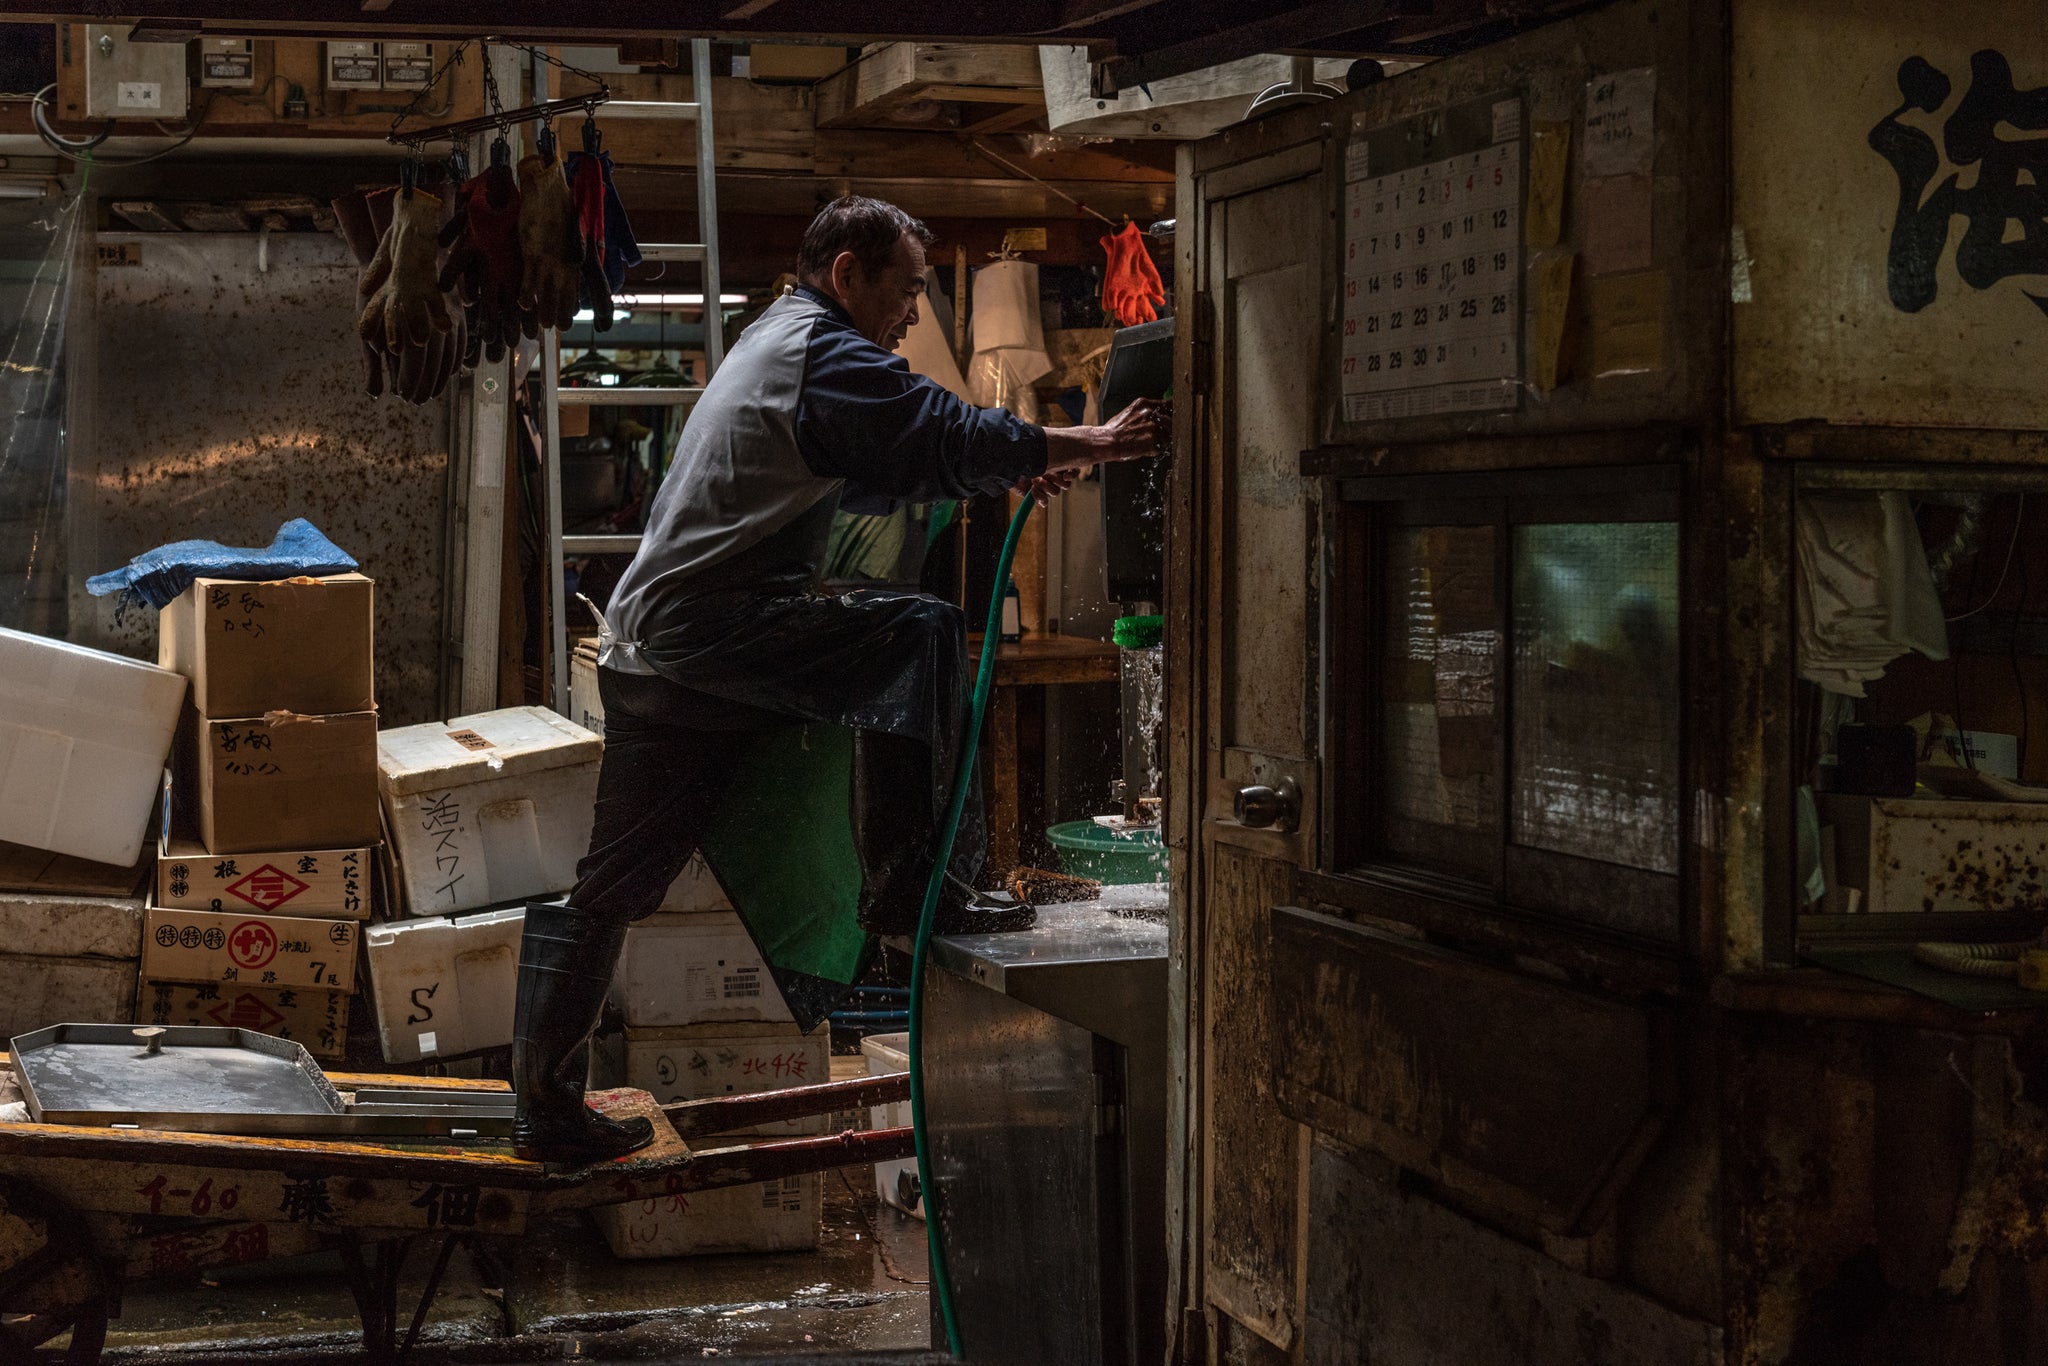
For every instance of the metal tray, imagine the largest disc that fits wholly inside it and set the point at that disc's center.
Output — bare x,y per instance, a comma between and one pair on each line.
207,1079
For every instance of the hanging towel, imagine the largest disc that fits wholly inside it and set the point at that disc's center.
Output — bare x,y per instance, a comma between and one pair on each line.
1864,595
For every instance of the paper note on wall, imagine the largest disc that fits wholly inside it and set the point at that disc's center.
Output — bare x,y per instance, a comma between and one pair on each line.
1549,151
1627,323
1621,123
1550,288
1615,224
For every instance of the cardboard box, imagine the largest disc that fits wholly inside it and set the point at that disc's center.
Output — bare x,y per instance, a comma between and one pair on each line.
699,1061
696,968
83,735
255,950
443,987
315,1020
326,883
487,809
773,1216
586,705
301,645
286,781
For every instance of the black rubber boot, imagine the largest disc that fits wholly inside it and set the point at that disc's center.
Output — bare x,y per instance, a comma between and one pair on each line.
565,970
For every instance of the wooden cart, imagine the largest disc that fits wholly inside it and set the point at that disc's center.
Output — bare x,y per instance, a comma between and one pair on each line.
83,1210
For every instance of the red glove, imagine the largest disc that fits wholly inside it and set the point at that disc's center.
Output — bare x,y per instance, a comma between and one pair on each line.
484,262
588,189
1130,284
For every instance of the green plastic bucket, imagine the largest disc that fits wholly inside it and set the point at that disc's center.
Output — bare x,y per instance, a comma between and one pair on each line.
1091,850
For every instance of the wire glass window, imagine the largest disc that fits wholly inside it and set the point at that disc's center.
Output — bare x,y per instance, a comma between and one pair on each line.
1440,662
1596,708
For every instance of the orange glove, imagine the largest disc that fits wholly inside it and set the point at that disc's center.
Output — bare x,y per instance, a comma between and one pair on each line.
1130,285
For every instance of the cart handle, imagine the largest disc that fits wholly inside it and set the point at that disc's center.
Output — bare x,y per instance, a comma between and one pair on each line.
723,1114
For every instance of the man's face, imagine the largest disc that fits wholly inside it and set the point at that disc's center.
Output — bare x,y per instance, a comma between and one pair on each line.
883,306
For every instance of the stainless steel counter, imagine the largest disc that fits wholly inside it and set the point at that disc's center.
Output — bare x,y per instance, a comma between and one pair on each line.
1045,1068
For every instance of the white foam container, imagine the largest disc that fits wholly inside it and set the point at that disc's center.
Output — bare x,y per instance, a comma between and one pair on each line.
785,1215
694,968
444,986
696,1062
489,808
83,737
888,1054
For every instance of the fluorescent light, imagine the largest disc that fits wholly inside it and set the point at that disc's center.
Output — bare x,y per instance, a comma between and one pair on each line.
674,300
619,315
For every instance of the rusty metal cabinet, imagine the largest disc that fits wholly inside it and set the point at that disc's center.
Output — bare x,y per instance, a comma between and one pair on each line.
1480,1066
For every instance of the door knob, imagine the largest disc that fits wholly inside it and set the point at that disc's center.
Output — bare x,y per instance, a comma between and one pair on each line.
1279,805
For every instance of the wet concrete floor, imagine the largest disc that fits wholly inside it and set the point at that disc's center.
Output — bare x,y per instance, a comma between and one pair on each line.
558,1293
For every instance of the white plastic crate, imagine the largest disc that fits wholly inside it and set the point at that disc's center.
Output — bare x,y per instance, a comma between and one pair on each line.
786,1215
888,1054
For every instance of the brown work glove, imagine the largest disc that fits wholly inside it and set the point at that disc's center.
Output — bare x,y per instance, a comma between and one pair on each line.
404,323
550,247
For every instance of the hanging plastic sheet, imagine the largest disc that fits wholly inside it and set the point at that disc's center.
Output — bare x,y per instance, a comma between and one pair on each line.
39,243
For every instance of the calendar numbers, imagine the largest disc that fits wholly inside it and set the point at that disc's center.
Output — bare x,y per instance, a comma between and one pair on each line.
1433,279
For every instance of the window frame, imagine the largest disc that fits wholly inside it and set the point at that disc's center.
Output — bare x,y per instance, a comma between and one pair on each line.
1566,894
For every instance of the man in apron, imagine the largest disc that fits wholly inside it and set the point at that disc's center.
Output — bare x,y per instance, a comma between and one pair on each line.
719,636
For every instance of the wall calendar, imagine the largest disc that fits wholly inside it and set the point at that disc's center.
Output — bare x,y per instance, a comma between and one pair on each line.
1432,316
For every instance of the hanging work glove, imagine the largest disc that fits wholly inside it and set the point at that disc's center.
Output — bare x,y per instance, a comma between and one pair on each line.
586,187
404,314
483,260
550,247
621,248
1130,284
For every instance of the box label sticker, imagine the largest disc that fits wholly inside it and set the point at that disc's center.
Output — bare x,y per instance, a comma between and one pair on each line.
469,739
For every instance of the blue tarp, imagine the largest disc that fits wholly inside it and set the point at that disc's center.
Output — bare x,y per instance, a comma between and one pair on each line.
158,576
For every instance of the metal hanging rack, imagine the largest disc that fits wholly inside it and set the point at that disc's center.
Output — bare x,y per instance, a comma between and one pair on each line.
499,118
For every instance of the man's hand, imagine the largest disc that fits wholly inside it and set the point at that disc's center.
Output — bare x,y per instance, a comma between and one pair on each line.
1143,429
1047,487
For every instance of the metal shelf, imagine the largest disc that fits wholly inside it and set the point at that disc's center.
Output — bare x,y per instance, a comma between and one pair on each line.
625,396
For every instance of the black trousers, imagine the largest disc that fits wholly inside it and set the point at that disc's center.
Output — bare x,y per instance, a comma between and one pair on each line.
889,665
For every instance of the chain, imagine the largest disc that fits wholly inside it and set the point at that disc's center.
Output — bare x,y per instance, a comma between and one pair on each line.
453,59
560,65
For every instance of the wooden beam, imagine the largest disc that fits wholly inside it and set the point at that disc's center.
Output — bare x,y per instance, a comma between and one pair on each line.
1007,119
891,75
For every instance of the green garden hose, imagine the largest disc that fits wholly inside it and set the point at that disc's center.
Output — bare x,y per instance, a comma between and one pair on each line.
942,1280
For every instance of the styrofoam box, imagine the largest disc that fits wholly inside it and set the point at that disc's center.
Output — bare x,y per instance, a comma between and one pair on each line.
489,808
887,1054
697,1061
444,986
83,736
65,925
787,1215
36,991
693,969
